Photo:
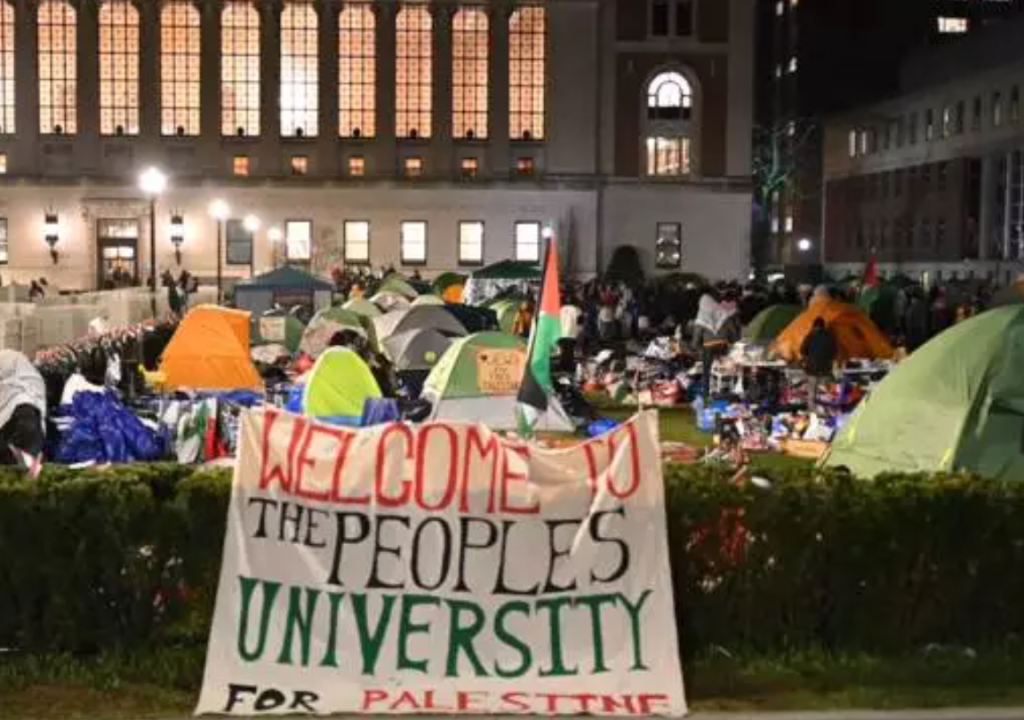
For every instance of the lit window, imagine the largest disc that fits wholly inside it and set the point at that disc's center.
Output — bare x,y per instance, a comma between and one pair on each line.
778,70
794,3
413,167
863,135
3,163
669,97
300,165
997,109
299,67
240,69
3,241
471,243
240,166
298,240
469,74
527,241
668,156
527,71
119,68
357,72
929,125
413,85
789,221
525,166
237,242
791,128
793,63
952,25
6,68
357,242
180,43
780,8
668,247
58,75
356,166
853,143
414,243
469,167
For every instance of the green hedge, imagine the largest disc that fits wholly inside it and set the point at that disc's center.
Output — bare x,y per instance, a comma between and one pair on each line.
110,560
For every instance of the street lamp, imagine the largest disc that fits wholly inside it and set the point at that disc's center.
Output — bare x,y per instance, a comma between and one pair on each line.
251,223
804,245
153,183
219,211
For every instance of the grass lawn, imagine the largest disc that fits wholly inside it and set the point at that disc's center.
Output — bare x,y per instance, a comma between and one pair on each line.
112,689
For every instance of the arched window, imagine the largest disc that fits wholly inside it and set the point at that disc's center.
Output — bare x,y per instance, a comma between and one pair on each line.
414,87
58,76
240,69
357,72
299,66
469,73
6,68
669,131
179,68
527,73
119,68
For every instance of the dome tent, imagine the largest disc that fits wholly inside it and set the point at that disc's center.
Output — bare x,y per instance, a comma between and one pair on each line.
957,404
364,307
325,325
770,322
477,381
210,351
398,285
855,335
278,327
416,349
425,316
337,388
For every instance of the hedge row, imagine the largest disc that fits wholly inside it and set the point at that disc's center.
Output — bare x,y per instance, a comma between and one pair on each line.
126,559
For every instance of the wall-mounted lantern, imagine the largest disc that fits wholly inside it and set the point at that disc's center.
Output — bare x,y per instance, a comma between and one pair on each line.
177,235
51,234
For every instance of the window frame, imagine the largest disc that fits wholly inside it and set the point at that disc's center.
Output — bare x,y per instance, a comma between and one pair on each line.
67,79
470,98
251,83
357,101
229,225
119,20
403,258
180,94
8,69
517,256
303,66
462,262
658,263
345,242
287,246
414,48
5,241
528,115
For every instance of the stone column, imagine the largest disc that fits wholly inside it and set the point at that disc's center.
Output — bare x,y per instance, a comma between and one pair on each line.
270,88
498,94
987,232
209,91
327,142
441,146
149,78
87,150
385,161
26,87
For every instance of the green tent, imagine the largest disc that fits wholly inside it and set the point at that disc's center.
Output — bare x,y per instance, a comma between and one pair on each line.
879,304
506,310
397,284
281,329
417,318
427,300
338,386
477,380
326,323
362,306
957,404
445,280
770,322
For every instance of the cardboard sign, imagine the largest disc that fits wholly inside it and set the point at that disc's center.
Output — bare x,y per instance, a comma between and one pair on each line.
499,372
442,569
272,329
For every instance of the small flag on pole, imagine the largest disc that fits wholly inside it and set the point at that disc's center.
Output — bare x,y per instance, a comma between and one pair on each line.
536,386
31,464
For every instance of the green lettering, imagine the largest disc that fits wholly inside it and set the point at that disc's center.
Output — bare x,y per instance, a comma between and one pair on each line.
594,603
634,621
331,654
270,590
510,640
371,642
554,607
298,618
460,637
407,627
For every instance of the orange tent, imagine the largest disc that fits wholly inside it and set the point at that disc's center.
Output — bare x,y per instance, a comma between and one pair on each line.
856,336
210,351
452,294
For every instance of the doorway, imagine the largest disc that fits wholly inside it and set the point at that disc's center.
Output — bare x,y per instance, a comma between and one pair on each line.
117,247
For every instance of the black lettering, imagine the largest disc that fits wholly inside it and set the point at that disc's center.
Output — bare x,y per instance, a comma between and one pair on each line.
261,528
554,554
303,700
598,537
234,693
270,700
342,538
500,586
285,519
376,582
312,526
445,555
465,543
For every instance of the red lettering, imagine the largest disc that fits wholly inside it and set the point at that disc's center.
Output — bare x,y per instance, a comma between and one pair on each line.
371,697
584,701
611,705
647,701
516,701
634,458
448,473
467,699
592,476
406,698
508,477
381,481
304,460
339,466
484,450
276,474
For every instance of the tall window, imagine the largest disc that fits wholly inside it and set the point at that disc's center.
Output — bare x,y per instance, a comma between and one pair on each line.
527,73
119,68
6,68
3,241
414,243
58,78
669,111
469,74
357,72
357,242
240,69
298,240
299,63
528,241
179,68
471,243
413,77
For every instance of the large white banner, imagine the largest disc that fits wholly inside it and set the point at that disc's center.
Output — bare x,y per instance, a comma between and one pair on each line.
441,569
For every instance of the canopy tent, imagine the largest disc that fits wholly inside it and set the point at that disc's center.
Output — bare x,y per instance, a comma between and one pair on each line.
427,300
506,275
416,349
957,404
855,335
388,301
210,351
399,285
328,323
427,316
285,287
477,381
337,387
280,328
362,306
770,322
508,270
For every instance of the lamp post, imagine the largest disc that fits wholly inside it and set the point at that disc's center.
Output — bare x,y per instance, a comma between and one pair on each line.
177,235
152,182
251,223
219,211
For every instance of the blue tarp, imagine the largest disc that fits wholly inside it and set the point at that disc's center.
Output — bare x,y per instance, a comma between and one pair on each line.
105,431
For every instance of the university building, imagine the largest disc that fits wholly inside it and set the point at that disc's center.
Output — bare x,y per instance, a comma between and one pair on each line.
428,135
932,180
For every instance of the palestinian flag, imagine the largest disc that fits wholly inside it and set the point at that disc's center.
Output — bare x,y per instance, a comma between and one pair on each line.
536,386
870,278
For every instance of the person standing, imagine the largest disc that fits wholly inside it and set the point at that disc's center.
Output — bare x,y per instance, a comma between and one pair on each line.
819,352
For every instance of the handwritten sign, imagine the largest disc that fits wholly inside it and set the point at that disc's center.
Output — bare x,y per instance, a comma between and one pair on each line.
499,372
